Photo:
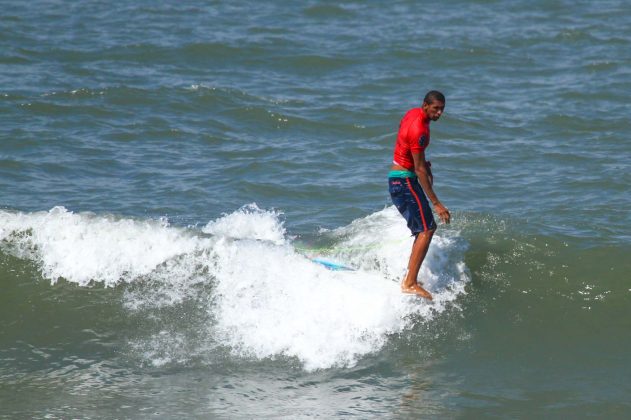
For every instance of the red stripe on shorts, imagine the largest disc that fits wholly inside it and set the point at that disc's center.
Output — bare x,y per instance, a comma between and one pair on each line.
418,201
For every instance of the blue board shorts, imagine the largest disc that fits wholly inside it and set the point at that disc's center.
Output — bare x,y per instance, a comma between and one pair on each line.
409,198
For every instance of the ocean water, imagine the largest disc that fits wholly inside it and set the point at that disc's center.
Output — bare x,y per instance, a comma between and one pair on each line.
169,170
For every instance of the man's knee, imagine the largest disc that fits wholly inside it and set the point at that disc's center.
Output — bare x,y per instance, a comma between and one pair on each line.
425,233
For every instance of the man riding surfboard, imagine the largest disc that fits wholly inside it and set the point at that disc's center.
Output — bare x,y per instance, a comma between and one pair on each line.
410,183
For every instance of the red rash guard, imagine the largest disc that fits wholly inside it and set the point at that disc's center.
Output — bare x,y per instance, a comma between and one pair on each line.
413,137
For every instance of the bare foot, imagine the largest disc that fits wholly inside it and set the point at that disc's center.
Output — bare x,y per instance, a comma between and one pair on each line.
416,290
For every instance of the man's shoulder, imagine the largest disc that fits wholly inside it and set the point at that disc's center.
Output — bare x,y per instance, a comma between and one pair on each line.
412,116
413,113
413,120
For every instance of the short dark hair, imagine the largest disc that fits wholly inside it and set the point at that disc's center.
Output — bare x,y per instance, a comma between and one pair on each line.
433,96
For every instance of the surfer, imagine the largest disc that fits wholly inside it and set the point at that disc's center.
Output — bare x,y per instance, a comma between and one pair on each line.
410,182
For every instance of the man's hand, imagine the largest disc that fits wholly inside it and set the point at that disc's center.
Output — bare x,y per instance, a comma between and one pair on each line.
443,212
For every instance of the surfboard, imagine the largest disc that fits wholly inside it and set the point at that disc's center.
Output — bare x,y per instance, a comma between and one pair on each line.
331,265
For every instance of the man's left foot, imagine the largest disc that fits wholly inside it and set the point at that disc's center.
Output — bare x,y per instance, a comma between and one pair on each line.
416,290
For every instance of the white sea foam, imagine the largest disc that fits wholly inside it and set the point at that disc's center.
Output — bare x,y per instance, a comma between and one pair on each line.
381,242
274,301
83,247
249,222
264,298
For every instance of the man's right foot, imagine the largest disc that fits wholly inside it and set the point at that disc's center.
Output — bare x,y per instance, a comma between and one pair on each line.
416,290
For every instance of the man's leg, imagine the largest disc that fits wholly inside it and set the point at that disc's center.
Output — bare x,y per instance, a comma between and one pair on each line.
419,250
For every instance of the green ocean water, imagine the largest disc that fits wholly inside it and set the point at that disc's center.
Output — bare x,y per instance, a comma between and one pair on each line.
168,170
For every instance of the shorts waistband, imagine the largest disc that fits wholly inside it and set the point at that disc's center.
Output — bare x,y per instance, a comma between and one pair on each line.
401,174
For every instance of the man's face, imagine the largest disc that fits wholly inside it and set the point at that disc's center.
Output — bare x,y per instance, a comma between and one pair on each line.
434,109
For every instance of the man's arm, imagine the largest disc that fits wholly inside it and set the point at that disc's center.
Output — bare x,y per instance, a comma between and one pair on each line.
428,166
421,170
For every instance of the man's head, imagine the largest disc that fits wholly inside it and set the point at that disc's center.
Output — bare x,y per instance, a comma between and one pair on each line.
434,104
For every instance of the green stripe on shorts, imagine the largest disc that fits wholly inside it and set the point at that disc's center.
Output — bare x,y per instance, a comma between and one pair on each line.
401,174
